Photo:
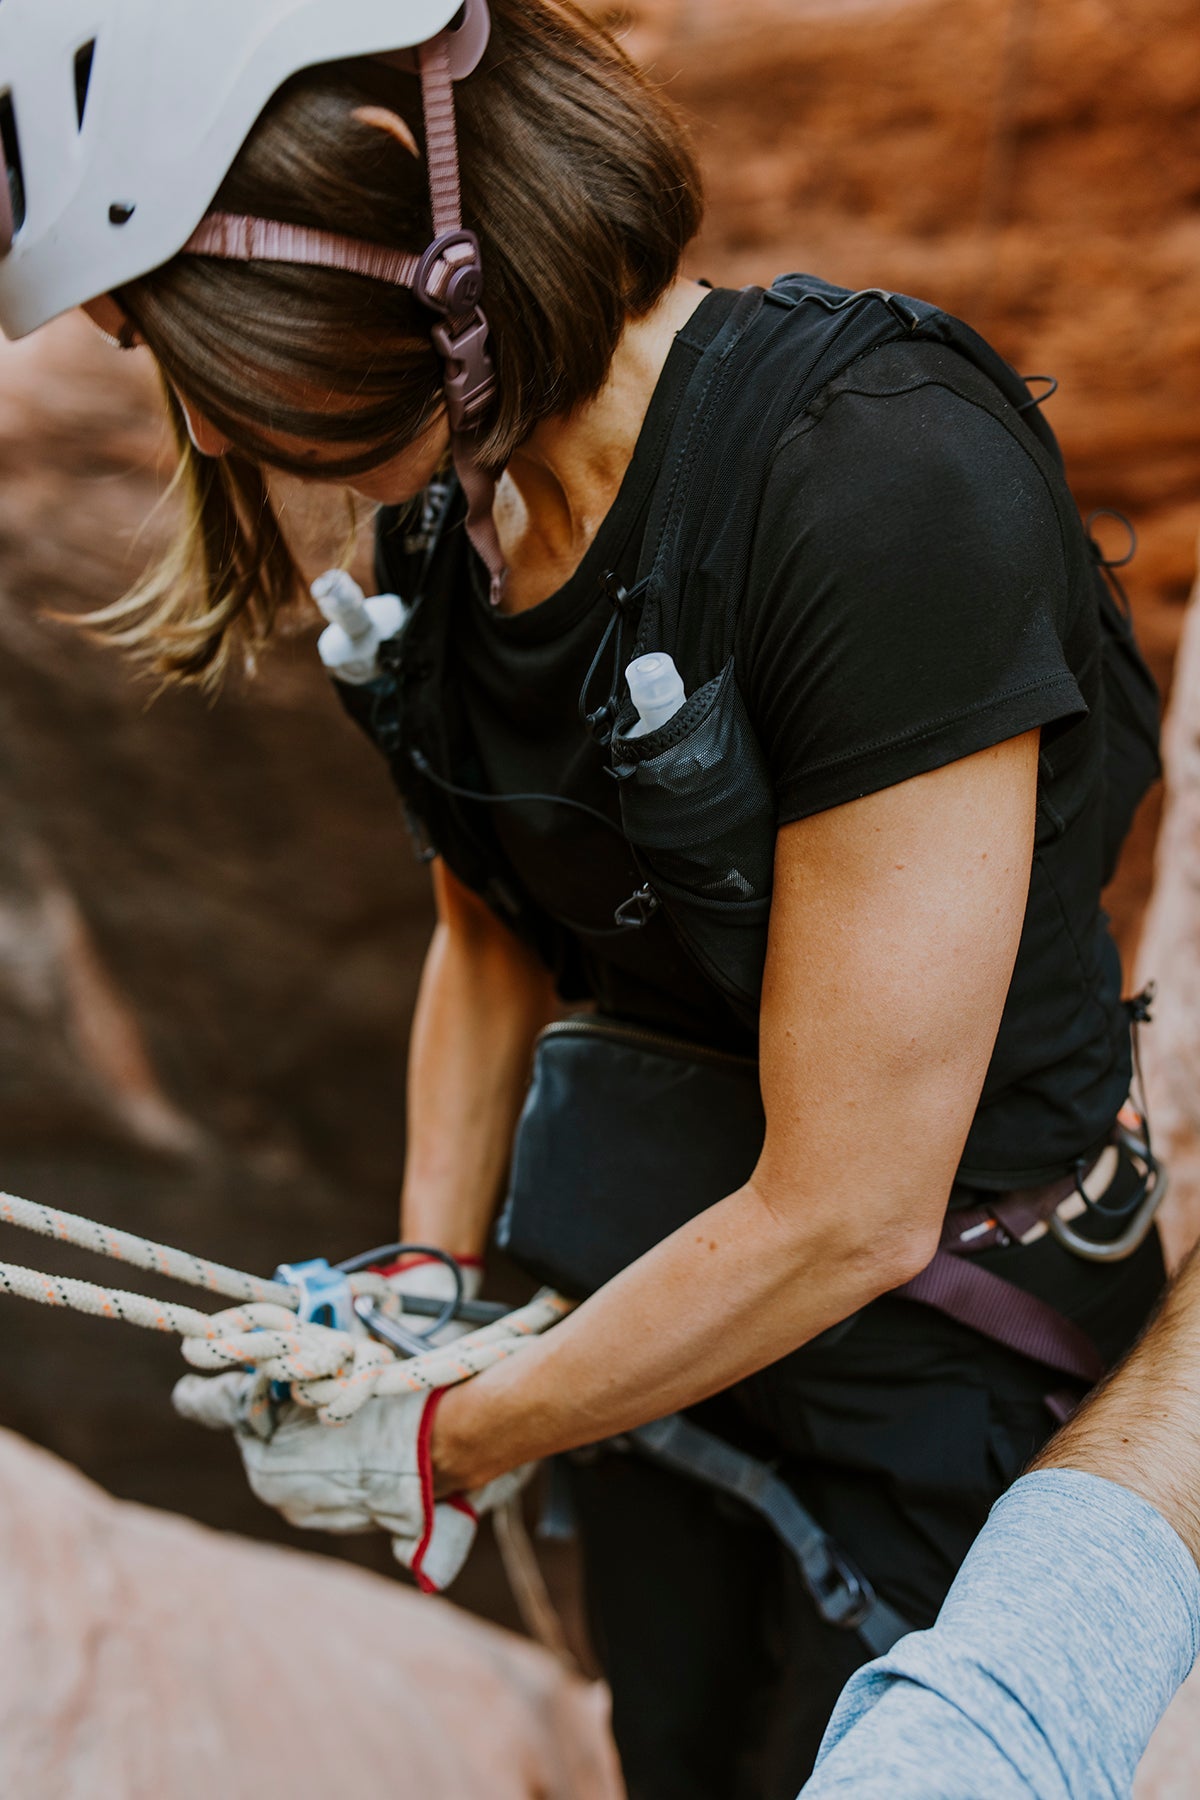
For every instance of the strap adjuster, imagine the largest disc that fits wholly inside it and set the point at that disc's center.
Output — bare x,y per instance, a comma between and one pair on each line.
470,371
449,276
844,1597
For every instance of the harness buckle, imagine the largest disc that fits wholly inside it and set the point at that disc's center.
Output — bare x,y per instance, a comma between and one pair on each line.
845,1597
470,371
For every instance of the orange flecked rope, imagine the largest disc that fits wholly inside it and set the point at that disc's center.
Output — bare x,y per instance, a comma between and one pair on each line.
332,1371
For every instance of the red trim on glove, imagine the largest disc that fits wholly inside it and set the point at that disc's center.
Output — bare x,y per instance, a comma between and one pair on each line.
416,1262
425,1472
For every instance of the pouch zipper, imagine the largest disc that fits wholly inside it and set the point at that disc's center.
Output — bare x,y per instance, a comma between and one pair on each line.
653,1040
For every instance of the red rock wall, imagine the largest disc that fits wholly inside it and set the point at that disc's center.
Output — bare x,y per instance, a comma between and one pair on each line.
148,1659
1033,165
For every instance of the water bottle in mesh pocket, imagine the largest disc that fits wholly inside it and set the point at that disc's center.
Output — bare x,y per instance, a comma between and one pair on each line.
698,807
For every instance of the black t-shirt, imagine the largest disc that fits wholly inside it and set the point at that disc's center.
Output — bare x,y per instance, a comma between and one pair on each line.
919,589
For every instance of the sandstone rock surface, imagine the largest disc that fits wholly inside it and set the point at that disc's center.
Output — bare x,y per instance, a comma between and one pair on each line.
1170,954
158,1660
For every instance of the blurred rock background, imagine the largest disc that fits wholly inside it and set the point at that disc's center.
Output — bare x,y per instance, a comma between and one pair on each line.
210,920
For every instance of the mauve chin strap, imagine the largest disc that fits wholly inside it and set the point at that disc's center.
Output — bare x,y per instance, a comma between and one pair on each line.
236,237
448,279
7,221
462,339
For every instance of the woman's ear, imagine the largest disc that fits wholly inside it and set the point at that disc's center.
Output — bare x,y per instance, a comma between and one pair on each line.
385,120
205,437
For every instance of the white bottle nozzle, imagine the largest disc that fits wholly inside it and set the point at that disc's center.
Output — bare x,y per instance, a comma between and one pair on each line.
341,602
656,689
349,645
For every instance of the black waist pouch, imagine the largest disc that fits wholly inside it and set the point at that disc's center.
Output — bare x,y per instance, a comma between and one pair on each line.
624,1136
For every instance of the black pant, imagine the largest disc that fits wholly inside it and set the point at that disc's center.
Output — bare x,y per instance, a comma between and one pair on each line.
898,1435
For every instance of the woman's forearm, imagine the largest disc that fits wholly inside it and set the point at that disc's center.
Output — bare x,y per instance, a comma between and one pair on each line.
739,1286
483,999
894,927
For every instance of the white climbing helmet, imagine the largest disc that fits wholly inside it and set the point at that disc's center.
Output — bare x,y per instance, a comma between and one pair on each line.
120,119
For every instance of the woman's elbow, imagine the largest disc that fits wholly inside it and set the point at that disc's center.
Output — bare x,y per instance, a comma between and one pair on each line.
876,1253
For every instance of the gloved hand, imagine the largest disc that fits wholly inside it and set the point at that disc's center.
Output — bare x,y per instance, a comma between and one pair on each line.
373,1473
434,1280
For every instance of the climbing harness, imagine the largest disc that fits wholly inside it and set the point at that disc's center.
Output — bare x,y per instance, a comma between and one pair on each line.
277,1327
840,1592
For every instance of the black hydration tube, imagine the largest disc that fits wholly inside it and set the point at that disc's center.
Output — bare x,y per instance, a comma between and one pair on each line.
631,915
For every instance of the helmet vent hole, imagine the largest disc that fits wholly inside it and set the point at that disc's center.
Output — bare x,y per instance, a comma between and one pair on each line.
11,145
85,56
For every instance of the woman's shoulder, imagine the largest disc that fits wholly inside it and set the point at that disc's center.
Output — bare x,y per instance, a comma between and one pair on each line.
912,596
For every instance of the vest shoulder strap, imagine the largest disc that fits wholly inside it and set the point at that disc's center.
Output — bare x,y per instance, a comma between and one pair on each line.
776,352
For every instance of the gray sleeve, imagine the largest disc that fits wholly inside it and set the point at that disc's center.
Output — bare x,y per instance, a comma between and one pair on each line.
1071,1624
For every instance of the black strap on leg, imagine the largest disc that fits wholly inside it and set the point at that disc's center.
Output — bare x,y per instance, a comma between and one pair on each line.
841,1595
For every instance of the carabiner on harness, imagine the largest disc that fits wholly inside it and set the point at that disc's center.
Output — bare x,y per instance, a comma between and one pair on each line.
1141,1207
1140,1210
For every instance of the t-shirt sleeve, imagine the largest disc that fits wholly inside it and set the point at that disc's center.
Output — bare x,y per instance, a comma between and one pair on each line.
1073,1621
908,596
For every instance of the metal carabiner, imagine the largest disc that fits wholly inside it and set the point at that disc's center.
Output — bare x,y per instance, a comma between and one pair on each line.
1138,1228
441,1312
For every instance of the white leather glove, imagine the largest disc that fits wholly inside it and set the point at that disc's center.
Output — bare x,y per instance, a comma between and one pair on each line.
371,1474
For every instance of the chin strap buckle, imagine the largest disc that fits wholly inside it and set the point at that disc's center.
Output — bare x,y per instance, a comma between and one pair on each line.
470,371
449,281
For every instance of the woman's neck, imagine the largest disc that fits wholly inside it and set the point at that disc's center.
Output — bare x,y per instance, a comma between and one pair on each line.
562,481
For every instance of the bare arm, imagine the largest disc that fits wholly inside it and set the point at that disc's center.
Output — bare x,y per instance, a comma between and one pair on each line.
482,1001
1141,1428
894,929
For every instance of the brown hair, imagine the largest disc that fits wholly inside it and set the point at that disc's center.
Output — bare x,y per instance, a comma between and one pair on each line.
579,181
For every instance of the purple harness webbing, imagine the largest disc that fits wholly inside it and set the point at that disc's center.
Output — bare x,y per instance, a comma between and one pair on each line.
441,137
1006,1314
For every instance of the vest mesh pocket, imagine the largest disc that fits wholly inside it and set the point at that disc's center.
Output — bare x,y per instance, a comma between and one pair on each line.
698,806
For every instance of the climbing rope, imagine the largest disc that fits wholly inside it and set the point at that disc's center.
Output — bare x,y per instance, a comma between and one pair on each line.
140,1253
333,1371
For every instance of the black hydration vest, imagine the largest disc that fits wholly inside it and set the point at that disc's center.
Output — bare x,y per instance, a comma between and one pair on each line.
696,800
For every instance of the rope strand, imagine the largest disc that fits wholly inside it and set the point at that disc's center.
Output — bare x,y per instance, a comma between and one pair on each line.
143,1253
331,1371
